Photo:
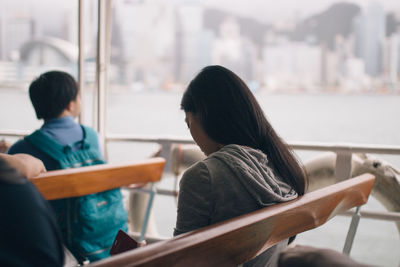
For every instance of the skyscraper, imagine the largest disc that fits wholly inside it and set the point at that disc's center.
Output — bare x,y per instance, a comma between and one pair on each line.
193,42
369,32
16,27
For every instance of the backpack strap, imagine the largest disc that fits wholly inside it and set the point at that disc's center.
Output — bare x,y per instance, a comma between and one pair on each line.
90,139
87,154
46,144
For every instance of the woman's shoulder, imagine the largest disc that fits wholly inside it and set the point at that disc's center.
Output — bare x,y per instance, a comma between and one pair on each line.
206,165
195,182
203,169
198,168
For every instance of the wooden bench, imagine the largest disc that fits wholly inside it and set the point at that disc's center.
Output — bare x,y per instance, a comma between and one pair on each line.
93,179
240,239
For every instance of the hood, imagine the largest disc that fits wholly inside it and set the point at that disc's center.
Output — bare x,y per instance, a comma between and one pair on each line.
252,170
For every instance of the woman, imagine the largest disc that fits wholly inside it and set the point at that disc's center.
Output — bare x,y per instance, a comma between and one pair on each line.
248,166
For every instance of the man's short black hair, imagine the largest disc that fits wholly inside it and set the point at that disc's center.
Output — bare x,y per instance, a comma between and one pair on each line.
51,93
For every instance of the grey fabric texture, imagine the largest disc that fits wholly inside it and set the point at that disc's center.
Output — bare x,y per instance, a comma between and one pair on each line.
230,182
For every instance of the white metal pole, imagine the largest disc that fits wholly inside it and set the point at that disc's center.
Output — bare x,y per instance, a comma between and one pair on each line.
103,60
81,44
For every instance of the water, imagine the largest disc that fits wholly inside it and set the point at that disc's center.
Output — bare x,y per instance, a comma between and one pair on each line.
324,118
368,119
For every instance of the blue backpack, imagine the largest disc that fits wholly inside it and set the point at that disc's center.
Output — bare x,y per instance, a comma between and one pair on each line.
89,223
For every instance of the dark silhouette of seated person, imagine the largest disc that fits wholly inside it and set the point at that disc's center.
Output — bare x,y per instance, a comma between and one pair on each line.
28,230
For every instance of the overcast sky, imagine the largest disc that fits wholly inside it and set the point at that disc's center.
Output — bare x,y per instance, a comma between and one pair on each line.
275,10
263,10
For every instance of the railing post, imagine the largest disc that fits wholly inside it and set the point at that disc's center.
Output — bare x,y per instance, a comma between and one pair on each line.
143,231
352,231
166,154
343,165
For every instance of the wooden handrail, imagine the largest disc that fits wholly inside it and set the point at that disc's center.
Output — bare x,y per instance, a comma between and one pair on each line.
88,180
240,239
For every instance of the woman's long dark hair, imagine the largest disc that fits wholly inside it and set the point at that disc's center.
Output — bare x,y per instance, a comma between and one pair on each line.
230,114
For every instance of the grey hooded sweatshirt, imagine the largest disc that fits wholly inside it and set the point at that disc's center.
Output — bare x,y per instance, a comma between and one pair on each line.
231,182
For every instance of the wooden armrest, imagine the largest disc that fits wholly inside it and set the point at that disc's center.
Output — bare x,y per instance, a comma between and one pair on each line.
93,179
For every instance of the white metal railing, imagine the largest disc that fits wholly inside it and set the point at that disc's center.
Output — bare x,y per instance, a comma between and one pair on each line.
379,215
346,148
14,133
343,151
172,139
343,162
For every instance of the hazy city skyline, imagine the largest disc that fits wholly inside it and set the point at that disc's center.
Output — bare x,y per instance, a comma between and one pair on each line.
272,11
323,45
267,11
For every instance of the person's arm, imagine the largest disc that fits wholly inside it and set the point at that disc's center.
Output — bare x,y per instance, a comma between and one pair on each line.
306,256
25,164
4,146
194,200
